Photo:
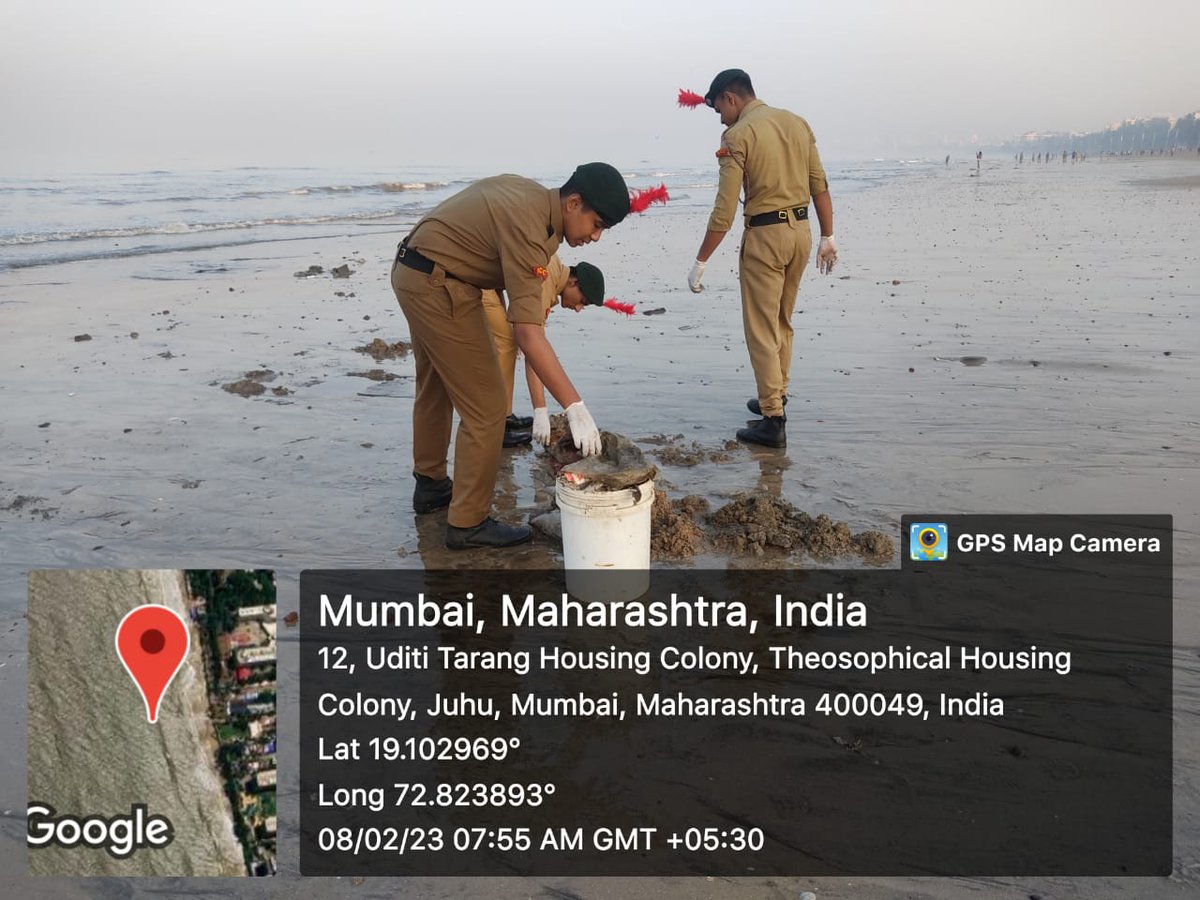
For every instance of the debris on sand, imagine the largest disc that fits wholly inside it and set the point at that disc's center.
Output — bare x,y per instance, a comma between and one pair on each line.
379,349
342,271
311,272
674,533
750,525
27,504
753,524
82,337
250,384
244,388
682,454
549,523
619,466
374,375
654,312
875,545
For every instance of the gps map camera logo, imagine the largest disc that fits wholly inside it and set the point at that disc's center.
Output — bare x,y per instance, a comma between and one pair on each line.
928,541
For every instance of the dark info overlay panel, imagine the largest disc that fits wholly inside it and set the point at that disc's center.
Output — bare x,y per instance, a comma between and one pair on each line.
995,713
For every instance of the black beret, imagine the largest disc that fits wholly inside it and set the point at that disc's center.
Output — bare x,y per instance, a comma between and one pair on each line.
591,282
603,189
721,82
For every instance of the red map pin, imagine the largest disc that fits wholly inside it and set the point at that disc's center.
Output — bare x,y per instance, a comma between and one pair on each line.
152,641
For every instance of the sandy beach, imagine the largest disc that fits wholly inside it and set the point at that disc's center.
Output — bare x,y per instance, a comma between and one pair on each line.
1020,341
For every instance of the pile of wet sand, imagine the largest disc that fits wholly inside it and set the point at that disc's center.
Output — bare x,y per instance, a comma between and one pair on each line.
674,533
250,384
755,524
750,525
379,349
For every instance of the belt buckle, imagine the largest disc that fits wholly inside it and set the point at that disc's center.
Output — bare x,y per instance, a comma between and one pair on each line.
403,250
783,215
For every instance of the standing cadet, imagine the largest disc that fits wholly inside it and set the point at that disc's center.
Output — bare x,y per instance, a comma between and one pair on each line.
499,233
774,154
579,285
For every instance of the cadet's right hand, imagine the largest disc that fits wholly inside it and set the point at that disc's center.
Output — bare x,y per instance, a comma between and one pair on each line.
695,275
583,429
541,426
826,255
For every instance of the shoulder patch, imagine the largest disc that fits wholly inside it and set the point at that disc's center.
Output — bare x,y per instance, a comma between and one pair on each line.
540,272
724,151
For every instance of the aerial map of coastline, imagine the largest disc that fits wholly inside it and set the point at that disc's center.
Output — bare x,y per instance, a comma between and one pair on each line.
206,766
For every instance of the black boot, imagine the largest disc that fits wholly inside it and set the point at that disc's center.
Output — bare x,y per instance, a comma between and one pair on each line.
431,494
518,423
516,437
488,533
768,431
752,405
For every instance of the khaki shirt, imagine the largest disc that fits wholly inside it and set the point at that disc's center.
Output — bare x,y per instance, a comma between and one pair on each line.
773,153
552,287
499,233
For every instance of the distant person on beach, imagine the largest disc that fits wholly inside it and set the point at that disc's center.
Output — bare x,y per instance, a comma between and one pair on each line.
978,159
579,285
947,159
774,154
498,233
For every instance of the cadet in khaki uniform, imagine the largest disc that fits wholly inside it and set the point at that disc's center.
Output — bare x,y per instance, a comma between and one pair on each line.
499,233
579,285
773,154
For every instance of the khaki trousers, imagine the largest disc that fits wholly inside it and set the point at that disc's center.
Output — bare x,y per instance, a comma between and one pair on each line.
503,341
456,370
771,261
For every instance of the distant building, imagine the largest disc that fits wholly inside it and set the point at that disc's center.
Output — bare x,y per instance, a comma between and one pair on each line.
265,778
239,708
255,656
266,611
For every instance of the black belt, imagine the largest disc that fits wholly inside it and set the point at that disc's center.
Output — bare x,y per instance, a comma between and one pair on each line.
414,260
772,218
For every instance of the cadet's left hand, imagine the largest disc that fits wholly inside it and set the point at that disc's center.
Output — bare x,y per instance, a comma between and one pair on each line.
826,255
695,275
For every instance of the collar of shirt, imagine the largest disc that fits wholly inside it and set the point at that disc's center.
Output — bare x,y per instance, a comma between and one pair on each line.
749,107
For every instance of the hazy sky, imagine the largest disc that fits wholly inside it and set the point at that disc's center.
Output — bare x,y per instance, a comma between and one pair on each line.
519,86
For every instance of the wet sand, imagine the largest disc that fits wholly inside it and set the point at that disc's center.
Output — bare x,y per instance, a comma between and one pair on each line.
1022,341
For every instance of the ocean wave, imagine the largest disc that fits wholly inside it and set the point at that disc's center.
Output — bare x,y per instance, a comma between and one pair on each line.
391,186
177,228
387,187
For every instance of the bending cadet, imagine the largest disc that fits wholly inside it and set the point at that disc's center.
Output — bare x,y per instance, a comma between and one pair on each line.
579,285
499,233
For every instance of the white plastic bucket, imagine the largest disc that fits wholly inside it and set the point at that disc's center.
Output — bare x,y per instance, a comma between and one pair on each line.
604,532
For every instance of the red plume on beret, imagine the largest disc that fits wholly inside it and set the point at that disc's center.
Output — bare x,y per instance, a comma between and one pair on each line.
690,99
617,306
639,201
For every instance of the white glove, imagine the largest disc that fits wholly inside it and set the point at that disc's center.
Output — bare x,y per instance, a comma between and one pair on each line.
541,426
695,275
826,255
583,429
